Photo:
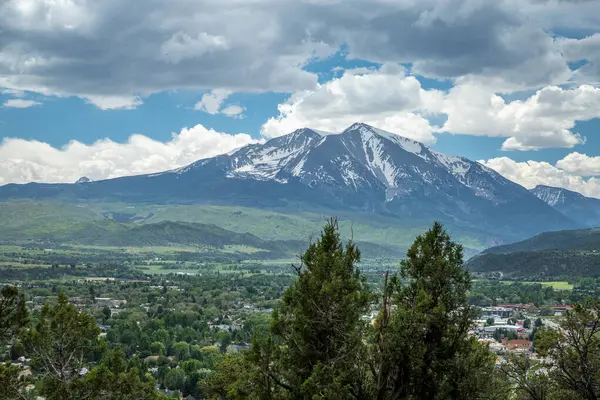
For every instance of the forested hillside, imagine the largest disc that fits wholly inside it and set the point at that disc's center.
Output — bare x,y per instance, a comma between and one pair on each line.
573,253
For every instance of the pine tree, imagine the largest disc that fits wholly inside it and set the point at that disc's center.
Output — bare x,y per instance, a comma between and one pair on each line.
13,313
574,352
13,316
59,345
422,348
315,349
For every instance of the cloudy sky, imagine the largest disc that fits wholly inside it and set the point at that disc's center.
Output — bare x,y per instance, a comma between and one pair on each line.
103,89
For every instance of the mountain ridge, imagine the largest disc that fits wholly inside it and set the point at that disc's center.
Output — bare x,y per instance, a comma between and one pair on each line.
576,206
362,169
561,253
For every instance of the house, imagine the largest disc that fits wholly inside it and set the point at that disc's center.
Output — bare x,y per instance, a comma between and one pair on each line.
517,306
508,328
107,301
500,312
517,344
523,335
79,300
559,310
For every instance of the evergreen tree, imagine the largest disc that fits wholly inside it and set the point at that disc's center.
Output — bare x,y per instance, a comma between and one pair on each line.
112,379
12,383
574,352
13,313
529,378
59,345
315,350
422,348
235,378
106,313
13,316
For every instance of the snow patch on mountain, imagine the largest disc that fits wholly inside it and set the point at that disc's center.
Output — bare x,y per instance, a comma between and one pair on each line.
550,195
377,160
457,165
359,158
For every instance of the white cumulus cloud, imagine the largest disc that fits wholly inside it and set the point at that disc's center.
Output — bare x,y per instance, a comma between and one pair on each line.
114,102
580,164
532,173
20,103
546,119
391,99
24,161
211,102
386,98
234,111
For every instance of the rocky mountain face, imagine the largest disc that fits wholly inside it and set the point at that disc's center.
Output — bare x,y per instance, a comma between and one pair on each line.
584,210
362,169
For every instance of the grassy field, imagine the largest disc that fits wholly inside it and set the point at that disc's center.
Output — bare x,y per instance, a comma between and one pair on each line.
28,219
557,285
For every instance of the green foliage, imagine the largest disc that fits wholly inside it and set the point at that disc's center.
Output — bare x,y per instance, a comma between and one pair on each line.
181,350
60,343
318,348
568,240
539,264
12,382
112,379
529,377
41,219
13,316
574,352
13,313
175,379
315,346
422,349
234,379
158,348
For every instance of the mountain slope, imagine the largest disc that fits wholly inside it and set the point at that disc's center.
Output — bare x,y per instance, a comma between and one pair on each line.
114,233
571,240
169,234
361,170
563,253
585,210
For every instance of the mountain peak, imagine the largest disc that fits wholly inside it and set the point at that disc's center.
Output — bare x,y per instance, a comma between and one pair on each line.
358,125
362,169
554,195
585,210
83,179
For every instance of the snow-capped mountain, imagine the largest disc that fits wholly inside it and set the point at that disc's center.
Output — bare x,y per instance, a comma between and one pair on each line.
362,169
361,158
585,210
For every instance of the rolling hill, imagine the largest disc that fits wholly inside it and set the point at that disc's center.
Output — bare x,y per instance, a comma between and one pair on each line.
111,233
568,253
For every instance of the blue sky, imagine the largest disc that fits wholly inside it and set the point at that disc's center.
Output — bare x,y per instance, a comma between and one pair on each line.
511,84
60,120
